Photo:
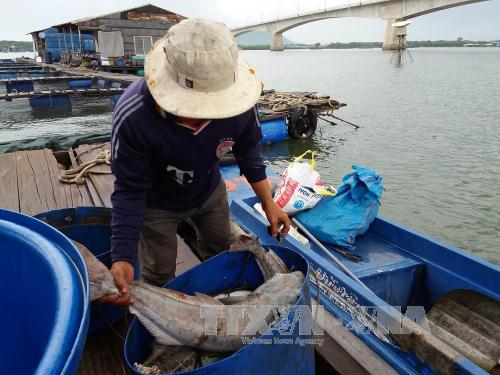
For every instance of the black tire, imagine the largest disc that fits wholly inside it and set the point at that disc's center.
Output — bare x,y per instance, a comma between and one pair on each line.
303,123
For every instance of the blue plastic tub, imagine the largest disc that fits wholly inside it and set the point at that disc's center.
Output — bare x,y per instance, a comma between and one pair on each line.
91,226
44,293
80,83
218,274
19,86
47,101
274,131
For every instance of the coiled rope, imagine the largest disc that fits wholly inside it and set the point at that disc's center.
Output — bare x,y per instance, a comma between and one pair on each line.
289,101
77,175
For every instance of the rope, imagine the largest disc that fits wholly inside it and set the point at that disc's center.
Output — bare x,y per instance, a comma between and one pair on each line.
77,175
289,101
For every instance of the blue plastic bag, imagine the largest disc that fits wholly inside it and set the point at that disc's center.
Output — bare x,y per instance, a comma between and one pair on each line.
338,220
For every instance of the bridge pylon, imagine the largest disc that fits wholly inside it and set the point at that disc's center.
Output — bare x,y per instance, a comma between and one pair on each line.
392,35
277,42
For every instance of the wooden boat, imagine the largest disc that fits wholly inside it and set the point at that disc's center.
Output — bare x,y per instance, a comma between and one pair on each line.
405,272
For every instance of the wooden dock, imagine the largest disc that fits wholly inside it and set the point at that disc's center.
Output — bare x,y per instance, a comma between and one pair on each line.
29,183
108,76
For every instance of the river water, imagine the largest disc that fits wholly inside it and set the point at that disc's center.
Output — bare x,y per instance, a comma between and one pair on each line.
431,128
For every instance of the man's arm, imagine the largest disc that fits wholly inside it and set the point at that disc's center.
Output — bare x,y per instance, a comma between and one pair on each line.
131,166
248,153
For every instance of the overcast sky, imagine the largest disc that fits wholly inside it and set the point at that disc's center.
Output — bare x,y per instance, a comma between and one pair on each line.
480,21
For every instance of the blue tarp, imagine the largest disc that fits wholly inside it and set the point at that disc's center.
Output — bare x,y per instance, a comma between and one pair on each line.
338,220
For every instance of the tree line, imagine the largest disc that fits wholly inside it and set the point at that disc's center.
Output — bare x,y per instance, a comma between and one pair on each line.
338,45
19,46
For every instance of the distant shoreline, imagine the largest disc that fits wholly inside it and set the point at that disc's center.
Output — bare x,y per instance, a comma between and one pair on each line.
370,45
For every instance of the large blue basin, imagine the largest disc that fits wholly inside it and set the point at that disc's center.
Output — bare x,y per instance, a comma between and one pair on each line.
44,298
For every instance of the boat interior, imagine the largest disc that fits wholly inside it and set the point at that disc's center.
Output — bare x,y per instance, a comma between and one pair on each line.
401,269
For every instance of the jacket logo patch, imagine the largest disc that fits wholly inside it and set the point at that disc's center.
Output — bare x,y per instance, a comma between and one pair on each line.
224,147
183,178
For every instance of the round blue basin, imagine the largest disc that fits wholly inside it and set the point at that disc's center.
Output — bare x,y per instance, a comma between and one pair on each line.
44,308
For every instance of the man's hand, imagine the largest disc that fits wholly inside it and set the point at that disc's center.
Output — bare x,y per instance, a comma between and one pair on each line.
274,213
123,273
277,218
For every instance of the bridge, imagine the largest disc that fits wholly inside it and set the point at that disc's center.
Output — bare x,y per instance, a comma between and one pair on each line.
390,10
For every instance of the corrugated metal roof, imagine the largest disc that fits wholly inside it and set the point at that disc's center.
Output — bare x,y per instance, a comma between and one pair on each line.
86,19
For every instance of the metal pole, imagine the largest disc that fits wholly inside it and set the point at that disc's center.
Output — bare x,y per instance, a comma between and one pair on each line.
330,255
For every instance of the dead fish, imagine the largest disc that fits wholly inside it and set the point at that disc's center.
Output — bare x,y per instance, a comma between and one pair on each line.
100,279
238,296
268,262
175,318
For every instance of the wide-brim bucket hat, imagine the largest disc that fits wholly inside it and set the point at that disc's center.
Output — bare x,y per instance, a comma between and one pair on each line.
195,71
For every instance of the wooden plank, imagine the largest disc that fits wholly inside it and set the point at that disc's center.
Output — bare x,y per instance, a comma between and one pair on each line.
103,352
185,257
90,186
38,162
9,197
62,192
31,200
120,24
345,352
80,195
103,183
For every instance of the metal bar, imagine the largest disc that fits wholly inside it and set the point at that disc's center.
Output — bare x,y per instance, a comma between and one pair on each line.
347,122
34,94
330,255
49,72
45,79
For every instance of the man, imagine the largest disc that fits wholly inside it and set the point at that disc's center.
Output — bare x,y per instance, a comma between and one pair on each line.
196,102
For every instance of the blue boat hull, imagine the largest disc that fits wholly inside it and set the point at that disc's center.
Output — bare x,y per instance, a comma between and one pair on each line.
403,268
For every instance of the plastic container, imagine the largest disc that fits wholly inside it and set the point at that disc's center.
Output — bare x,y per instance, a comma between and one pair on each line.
19,86
91,226
80,83
44,293
218,274
48,57
273,131
47,101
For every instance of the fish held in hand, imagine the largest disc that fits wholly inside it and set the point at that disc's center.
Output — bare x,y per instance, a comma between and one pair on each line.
100,279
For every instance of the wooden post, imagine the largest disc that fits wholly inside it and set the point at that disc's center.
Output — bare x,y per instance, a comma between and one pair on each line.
65,45
71,37
79,38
